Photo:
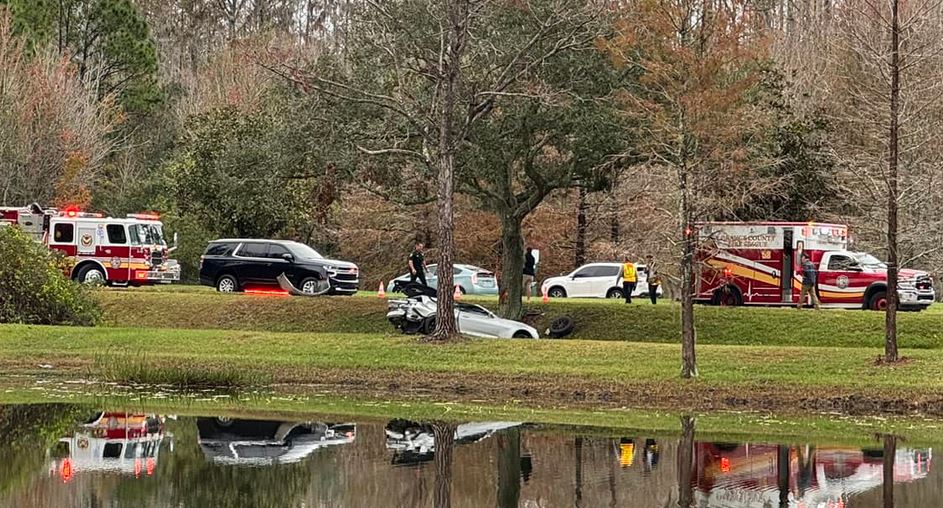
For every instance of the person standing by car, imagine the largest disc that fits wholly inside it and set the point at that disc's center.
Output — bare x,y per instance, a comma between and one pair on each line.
417,265
530,271
654,280
808,283
629,279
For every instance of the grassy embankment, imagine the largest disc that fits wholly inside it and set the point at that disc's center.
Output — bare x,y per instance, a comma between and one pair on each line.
748,358
195,308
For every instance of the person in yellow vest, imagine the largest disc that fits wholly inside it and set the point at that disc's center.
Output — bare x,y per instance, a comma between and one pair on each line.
629,279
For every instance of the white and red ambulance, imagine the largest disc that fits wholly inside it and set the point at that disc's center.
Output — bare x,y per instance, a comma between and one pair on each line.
757,263
116,251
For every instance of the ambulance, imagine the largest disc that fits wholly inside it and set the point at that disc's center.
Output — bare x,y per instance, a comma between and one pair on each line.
106,250
758,263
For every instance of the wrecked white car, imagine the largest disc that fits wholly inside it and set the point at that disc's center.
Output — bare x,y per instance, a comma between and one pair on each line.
417,315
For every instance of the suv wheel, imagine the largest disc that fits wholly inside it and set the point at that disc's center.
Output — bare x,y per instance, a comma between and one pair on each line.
309,286
227,284
615,293
556,292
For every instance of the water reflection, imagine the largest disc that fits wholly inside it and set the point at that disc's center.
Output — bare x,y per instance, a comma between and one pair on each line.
70,457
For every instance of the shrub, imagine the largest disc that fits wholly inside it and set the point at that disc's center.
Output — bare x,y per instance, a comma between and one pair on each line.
33,287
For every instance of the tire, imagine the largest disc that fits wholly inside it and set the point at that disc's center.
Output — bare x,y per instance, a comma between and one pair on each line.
92,275
309,285
428,326
223,422
878,301
728,296
615,293
556,292
521,334
562,326
227,284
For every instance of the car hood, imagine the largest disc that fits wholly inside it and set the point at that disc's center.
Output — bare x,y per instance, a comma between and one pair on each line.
328,262
912,274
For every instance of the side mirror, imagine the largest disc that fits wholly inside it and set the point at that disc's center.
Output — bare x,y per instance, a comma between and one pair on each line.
288,257
176,238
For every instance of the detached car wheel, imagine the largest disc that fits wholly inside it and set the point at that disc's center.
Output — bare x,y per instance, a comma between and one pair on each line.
561,327
227,284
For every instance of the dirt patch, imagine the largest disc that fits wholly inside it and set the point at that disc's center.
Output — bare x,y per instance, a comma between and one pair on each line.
880,361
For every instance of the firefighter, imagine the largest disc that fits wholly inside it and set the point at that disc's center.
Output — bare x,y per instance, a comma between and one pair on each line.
808,283
629,279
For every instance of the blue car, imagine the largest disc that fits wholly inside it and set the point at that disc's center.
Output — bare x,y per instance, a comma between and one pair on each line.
470,279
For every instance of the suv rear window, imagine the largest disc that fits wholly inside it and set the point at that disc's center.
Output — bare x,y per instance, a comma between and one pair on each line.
253,250
219,249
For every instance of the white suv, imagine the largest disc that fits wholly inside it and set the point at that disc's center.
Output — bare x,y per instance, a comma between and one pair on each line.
596,280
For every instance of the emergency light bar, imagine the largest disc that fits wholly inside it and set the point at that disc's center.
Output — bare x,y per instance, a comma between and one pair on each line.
72,214
144,216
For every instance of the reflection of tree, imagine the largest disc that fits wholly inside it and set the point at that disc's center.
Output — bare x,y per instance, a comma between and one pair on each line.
444,443
578,494
890,453
686,463
28,431
509,467
782,470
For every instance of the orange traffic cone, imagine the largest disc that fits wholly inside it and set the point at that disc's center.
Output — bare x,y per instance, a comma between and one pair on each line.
546,298
458,292
382,292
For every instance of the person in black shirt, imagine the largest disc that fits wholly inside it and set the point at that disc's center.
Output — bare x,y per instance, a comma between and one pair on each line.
530,271
417,265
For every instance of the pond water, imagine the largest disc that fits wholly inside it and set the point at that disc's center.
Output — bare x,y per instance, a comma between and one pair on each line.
69,456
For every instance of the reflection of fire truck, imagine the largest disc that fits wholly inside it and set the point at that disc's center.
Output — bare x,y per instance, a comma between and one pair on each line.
759,475
111,442
105,249
757,263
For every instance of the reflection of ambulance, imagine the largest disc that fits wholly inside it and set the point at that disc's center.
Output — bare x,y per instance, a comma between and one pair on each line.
758,263
760,475
111,442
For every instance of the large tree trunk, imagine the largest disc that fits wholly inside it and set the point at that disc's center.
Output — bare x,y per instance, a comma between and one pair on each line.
444,441
890,325
686,463
446,328
689,242
579,252
512,267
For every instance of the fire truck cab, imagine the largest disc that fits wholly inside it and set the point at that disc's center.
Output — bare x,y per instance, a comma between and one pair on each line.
758,263
118,251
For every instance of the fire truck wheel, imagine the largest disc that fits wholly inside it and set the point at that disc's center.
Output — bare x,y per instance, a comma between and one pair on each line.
92,275
878,301
227,284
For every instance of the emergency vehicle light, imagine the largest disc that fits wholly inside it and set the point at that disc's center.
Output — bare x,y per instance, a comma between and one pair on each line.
144,216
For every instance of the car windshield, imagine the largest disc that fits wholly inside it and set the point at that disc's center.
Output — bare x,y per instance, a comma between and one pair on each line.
148,234
302,251
867,260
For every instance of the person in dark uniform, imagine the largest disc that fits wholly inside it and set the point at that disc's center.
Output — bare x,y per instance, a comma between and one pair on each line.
417,265
530,271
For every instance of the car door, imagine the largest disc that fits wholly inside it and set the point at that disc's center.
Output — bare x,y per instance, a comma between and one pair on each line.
837,278
253,265
581,281
279,265
474,320
431,279
603,278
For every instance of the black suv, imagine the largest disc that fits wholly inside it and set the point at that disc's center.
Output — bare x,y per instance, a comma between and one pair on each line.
235,264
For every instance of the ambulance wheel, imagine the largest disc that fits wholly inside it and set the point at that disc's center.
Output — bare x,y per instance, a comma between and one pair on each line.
878,301
227,284
92,275
728,296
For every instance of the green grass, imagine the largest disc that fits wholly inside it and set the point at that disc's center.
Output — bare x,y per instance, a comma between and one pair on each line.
195,307
132,368
301,357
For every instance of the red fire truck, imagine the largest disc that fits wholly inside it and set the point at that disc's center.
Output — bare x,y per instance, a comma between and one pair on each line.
757,263
108,250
